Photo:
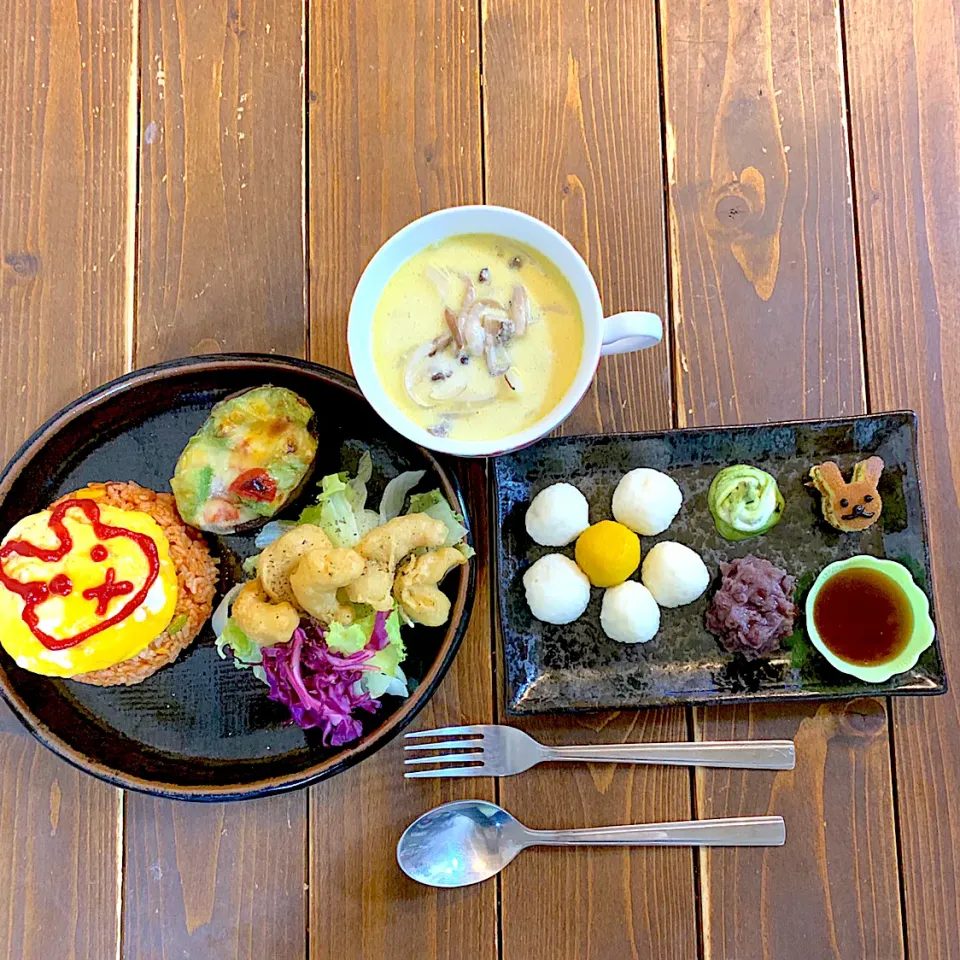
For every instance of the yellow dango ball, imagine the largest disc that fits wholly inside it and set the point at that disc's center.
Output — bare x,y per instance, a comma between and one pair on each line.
608,553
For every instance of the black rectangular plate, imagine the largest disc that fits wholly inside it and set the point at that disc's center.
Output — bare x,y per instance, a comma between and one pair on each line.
577,667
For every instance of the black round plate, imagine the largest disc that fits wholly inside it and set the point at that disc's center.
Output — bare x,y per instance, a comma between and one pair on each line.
200,729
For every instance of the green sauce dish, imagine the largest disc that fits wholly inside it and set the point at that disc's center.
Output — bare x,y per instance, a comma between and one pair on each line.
868,618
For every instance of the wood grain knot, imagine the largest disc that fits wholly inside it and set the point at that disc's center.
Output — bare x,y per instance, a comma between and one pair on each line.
863,718
23,264
738,213
739,204
732,208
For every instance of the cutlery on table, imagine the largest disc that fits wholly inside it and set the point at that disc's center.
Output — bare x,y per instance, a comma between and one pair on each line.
498,751
467,841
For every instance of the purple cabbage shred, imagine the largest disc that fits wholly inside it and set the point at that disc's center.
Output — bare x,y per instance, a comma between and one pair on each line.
319,687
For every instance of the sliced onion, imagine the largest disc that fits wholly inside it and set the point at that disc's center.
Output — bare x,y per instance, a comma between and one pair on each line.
451,320
449,389
220,616
413,364
414,371
432,377
395,492
520,310
470,325
397,686
377,683
440,343
272,531
498,360
470,294
441,280
472,398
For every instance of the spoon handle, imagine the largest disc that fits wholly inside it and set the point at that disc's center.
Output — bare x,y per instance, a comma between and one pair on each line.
732,832
741,754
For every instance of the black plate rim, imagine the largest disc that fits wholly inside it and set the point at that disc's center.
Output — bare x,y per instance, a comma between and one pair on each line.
515,702
367,745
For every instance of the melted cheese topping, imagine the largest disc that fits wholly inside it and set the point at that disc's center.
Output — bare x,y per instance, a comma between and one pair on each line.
263,431
62,617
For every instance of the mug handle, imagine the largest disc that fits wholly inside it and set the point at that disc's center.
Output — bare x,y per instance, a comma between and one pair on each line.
630,331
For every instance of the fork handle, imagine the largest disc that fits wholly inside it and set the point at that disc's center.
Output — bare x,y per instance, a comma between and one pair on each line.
729,832
742,754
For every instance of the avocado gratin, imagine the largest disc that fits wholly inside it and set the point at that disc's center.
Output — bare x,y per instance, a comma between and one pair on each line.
248,460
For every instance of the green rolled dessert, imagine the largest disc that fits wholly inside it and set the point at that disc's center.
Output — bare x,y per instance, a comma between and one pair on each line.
745,502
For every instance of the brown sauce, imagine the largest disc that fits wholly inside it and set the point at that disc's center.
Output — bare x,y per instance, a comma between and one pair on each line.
863,616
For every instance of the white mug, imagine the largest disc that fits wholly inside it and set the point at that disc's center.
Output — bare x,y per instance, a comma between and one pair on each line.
602,336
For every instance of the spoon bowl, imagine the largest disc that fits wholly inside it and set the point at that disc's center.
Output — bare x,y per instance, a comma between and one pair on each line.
460,843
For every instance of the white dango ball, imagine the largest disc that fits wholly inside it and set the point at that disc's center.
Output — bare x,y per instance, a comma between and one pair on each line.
558,591
646,501
629,613
674,574
557,515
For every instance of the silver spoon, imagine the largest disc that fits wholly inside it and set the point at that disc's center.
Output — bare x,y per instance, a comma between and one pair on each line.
467,841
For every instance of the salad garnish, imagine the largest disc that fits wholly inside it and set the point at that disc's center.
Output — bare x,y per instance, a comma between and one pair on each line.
329,674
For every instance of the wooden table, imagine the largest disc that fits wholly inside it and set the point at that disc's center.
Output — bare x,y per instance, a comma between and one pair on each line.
779,179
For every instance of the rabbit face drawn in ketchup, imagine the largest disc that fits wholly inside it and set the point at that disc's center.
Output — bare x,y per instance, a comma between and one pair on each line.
85,580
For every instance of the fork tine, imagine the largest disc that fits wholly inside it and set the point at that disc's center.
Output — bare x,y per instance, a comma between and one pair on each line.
476,743
450,772
476,729
446,758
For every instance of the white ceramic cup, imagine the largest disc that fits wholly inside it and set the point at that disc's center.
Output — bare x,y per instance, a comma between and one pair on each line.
602,336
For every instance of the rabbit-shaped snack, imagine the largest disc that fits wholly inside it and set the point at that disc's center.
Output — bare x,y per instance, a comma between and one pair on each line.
854,506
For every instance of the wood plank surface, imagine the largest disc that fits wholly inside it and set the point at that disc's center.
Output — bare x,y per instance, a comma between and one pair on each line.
394,132
904,74
221,179
67,79
220,268
765,303
215,880
572,136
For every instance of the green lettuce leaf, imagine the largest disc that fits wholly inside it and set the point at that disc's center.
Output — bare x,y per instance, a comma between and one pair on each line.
340,510
310,514
396,492
387,660
245,652
435,505
347,640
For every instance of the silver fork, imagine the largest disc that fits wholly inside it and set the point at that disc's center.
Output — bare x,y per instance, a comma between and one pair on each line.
490,750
